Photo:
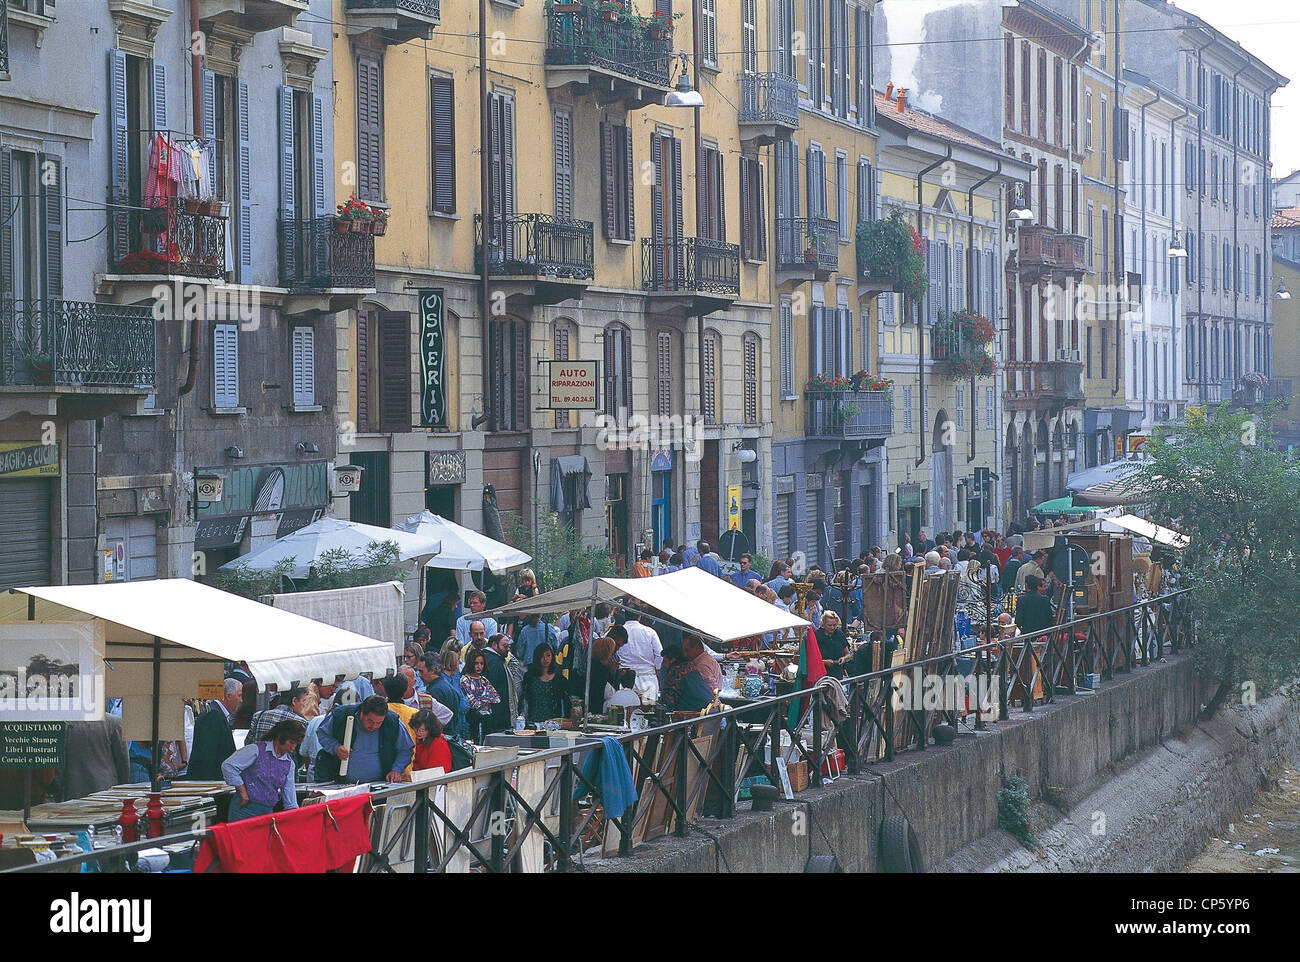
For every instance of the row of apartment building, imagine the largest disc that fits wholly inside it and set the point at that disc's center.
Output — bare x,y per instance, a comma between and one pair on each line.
699,262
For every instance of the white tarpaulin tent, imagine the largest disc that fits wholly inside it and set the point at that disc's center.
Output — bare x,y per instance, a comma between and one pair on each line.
462,549
308,543
695,599
162,638
280,647
1146,529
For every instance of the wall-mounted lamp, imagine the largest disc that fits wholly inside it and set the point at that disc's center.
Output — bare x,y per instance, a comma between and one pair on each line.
1022,214
684,95
208,487
307,447
747,456
1282,294
235,452
347,478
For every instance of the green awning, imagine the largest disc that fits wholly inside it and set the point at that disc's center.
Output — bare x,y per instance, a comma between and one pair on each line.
1063,505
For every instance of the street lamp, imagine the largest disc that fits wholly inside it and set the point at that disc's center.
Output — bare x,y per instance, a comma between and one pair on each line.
1282,294
1176,251
1022,214
684,95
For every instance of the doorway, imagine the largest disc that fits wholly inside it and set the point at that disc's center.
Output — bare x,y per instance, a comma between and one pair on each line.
441,500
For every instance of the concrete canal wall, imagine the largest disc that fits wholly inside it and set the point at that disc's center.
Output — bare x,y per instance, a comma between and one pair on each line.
1132,751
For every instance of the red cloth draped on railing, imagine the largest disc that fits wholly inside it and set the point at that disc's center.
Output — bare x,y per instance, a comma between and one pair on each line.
314,838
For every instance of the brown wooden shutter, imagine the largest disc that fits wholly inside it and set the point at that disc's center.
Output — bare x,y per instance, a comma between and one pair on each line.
563,142
703,174
365,319
609,181
519,375
721,194
679,178
444,146
665,365
370,130
628,186
657,188
759,186
394,371
561,354
746,227
610,403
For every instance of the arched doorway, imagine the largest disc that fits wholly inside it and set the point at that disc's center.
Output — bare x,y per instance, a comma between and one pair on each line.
941,494
1026,472
1058,460
1042,450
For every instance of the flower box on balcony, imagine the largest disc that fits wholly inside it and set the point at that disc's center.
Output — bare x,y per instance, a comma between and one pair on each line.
210,208
191,205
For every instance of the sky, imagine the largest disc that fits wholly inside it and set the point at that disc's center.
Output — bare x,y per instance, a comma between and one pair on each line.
1270,29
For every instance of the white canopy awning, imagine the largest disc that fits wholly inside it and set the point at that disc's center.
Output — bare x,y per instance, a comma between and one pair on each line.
462,548
281,648
1147,529
714,607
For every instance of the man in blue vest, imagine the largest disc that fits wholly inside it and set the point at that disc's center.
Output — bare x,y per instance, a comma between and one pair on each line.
381,747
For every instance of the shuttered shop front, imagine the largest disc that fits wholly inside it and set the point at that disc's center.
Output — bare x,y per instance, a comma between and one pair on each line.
26,555
504,470
781,525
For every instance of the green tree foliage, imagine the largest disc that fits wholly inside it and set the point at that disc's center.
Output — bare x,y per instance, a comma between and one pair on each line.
337,568
560,557
1238,497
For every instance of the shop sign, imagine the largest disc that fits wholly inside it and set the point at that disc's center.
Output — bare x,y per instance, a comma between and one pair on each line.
34,744
262,489
572,385
29,459
909,495
444,467
733,507
433,353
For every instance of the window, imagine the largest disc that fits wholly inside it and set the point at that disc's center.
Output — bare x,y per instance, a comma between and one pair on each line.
709,377
862,35
225,366
815,25
817,204
713,215
1105,126
749,36
988,409
839,44
961,407
751,348
1009,81
618,203
753,210
370,129
561,344
864,336
1087,120
783,37
709,31
907,409
508,366
562,122
842,197
501,186
1105,353
785,334
31,228
1042,95
1026,86
664,373
442,124
1058,101
618,372
1088,226
1189,166
303,355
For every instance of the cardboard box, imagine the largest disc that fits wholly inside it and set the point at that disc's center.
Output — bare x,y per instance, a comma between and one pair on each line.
798,772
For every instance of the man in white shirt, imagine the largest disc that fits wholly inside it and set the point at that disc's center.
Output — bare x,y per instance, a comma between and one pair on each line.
477,602
643,653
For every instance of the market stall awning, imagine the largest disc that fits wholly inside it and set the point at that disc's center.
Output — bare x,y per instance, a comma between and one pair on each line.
1146,529
308,544
1063,505
1101,473
462,549
281,648
714,607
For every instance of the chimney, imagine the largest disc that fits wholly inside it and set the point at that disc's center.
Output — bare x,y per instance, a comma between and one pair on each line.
902,98
889,91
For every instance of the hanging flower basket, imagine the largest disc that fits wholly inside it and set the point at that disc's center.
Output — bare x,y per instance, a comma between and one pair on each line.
343,225
890,250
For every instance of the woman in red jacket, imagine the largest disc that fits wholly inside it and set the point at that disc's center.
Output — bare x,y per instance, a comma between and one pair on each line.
431,749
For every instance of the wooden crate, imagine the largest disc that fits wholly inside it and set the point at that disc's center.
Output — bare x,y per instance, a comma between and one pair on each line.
798,772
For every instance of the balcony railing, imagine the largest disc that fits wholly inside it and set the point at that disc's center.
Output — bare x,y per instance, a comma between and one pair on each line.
421,8
4,40
807,244
167,237
76,343
541,245
583,37
849,415
690,264
1072,252
769,98
1042,248
1055,383
314,254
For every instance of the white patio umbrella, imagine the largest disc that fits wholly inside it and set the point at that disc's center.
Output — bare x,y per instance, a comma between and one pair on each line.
308,544
463,549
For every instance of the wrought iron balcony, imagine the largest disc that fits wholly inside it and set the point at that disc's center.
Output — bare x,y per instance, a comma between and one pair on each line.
255,16
76,343
619,60
1256,392
1031,385
849,415
314,254
690,265
769,107
172,237
538,245
4,40
807,245
398,21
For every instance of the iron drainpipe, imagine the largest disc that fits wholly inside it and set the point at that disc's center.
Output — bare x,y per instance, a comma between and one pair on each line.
1117,222
970,290
1173,219
1143,126
196,106
1237,271
485,219
1203,351
920,326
